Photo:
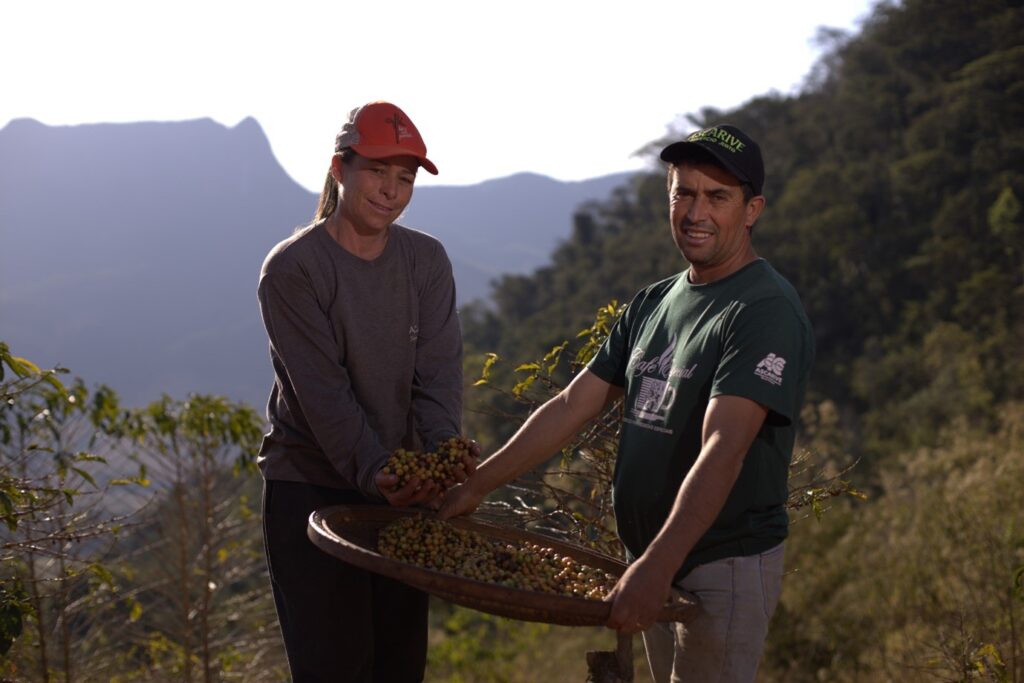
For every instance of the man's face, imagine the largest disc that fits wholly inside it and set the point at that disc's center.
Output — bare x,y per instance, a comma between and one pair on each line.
375,192
710,220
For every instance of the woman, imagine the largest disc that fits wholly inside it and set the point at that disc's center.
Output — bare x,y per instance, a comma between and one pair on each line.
367,354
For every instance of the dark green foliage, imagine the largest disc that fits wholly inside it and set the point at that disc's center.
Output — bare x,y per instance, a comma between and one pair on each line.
144,562
894,186
920,585
894,189
55,529
12,609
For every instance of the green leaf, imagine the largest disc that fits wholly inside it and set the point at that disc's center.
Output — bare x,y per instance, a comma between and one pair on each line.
9,516
485,372
528,366
84,475
553,356
102,573
519,388
13,605
6,503
22,367
51,379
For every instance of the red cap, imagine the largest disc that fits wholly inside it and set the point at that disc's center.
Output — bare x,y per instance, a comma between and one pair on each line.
380,129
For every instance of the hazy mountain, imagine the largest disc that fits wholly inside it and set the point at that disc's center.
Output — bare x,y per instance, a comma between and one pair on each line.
509,225
130,252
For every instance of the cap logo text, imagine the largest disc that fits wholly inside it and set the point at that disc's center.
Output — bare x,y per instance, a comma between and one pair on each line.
720,137
399,125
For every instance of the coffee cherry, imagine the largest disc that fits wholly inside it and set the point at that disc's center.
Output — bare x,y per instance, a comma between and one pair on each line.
439,467
438,545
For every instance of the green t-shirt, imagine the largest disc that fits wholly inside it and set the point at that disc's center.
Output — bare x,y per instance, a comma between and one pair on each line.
678,345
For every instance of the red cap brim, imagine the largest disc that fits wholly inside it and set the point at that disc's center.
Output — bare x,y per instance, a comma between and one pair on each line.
384,151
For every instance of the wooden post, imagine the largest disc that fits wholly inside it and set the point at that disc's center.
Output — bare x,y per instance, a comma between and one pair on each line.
624,657
612,667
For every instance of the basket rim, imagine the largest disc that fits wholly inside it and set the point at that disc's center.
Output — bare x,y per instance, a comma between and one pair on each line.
331,529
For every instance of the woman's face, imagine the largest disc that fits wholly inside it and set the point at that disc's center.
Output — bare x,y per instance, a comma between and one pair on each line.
374,192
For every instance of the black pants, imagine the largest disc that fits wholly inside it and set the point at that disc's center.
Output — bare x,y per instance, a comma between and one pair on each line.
340,624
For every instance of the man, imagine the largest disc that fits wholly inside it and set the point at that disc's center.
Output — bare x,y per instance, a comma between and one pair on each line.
713,363
367,355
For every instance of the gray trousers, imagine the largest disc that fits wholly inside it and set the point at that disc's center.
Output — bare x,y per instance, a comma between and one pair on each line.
724,642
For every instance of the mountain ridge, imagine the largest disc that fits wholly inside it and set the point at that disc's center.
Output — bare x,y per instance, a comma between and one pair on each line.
130,252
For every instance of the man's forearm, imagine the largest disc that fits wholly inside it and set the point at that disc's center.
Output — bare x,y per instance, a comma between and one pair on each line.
549,429
730,427
541,436
700,499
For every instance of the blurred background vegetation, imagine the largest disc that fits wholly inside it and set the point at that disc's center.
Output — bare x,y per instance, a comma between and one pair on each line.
130,539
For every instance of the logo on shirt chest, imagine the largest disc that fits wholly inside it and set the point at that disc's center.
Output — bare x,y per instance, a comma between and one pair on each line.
654,398
414,332
659,365
656,390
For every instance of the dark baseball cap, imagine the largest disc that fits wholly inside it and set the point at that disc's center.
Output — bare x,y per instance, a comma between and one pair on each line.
730,146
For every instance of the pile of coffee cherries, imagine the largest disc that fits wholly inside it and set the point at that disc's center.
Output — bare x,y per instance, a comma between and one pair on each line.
438,466
434,544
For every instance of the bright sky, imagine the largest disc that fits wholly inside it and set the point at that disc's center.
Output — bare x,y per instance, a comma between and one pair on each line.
567,88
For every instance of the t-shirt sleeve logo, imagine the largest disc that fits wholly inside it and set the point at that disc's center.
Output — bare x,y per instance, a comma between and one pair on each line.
770,369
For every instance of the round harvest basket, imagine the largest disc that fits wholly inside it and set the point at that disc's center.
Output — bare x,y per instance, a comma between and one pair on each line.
349,532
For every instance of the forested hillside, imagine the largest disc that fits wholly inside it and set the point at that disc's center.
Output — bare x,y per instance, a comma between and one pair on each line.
893,205
894,187
130,539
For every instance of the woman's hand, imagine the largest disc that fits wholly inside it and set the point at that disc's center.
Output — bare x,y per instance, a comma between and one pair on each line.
426,492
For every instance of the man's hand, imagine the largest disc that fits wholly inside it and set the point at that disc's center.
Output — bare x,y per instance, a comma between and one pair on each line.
415,492
461,499
641,592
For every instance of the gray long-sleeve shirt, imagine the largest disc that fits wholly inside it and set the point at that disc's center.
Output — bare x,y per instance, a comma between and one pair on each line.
367,356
